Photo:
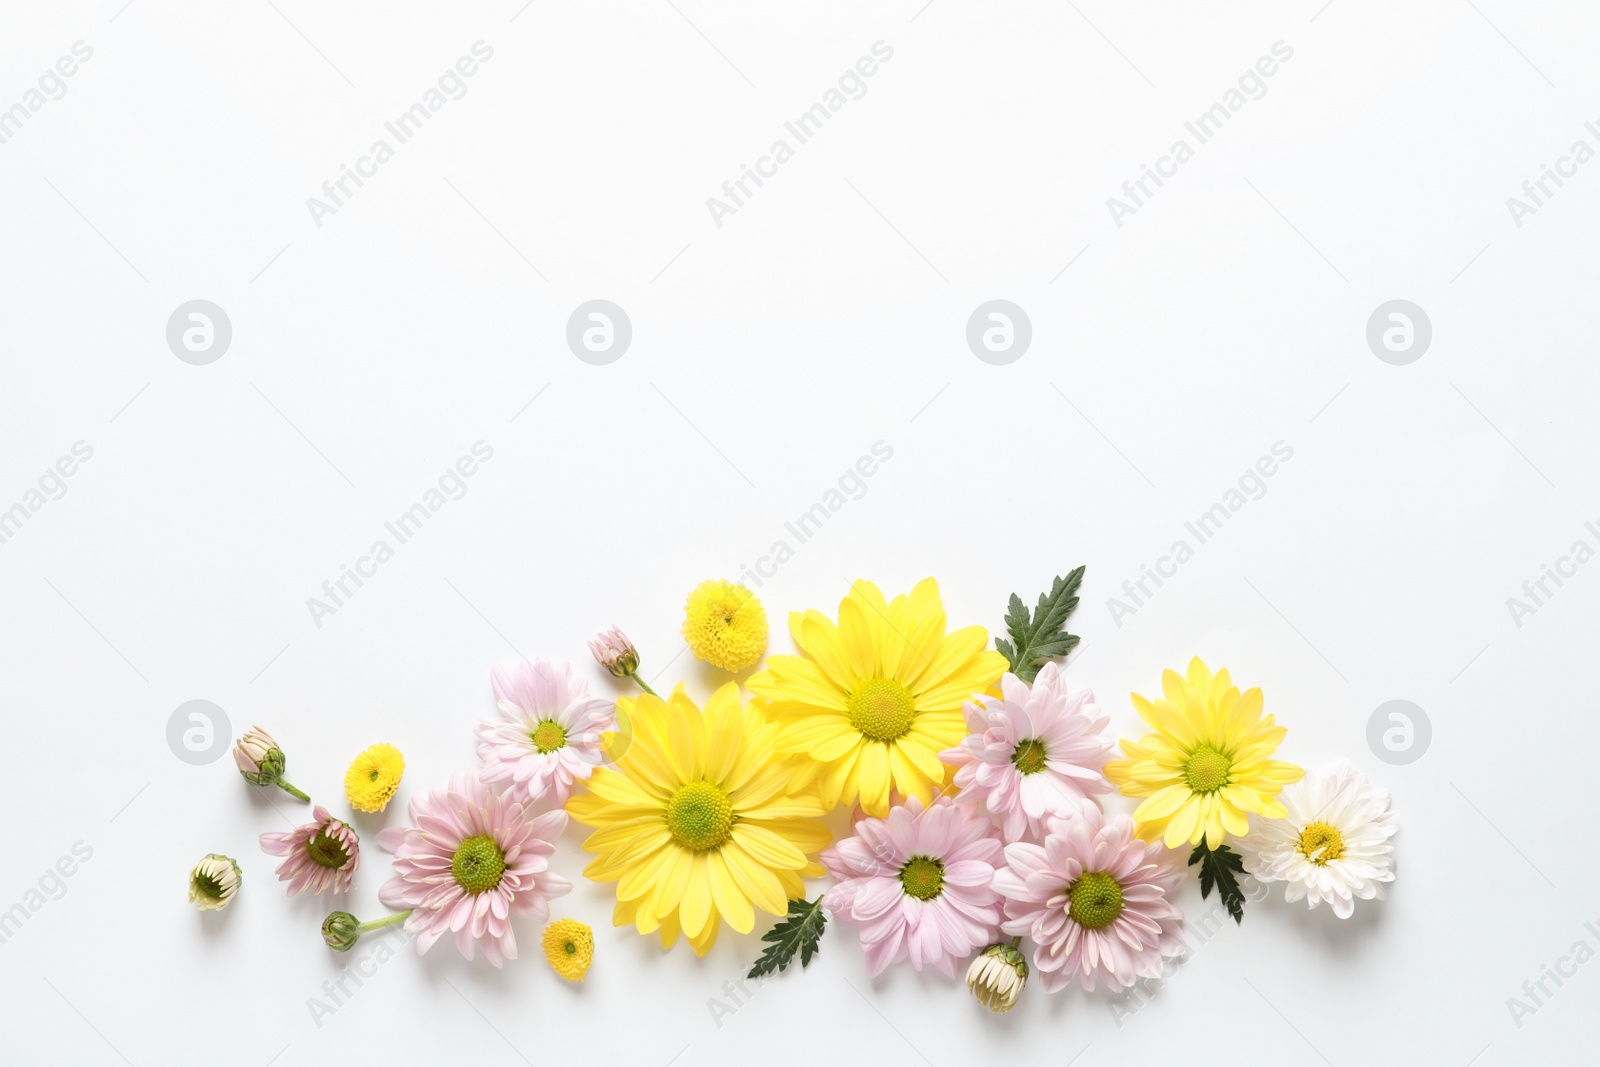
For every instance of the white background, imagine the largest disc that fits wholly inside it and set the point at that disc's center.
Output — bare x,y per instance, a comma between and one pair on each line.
828,313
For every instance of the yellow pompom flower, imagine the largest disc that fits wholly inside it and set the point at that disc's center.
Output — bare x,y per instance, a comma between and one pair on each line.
373,777
695,819
1207,766
875,699
725,625
569,946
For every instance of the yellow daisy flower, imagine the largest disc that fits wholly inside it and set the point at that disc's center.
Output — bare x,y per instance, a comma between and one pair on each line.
373,777
875,699
569,946
1206,768
696,821
725,625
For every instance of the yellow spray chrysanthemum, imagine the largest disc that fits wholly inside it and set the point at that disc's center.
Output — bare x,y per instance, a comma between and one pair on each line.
373,777
875,699
1207,766
569,946
725,625
695,821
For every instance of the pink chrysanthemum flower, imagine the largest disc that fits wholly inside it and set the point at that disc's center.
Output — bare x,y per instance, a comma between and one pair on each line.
1034,754
1096,900
918,884
469,862
547,735
322,854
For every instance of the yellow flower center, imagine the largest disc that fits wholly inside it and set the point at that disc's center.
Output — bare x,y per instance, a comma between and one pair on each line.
1029,757
1207,770
881,708
1095,900
923,877
1321,843
549,736
478,864
699,816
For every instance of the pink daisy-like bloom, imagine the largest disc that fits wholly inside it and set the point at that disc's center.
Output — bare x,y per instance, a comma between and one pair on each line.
322,854
918,884
547,735
470,860
1095,899
1034,754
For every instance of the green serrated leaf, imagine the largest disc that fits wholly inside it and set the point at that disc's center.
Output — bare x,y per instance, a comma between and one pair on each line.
799,931
1218,868
1037,640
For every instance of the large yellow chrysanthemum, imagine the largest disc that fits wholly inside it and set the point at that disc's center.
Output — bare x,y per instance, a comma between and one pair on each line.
696,819
1207,765
875,699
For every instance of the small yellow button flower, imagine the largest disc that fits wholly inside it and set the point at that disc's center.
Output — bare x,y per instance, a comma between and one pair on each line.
725,625
569,946
373,777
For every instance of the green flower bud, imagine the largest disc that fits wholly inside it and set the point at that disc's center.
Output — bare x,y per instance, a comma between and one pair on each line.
341,931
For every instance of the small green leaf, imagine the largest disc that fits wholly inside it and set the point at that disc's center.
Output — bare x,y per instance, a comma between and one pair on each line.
1218,868
1037,640
800,931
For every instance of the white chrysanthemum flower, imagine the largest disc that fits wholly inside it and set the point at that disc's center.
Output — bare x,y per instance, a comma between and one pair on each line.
1334,846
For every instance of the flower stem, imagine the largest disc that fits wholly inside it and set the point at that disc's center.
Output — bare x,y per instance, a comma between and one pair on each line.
1016,942
292,791
387,920
640,682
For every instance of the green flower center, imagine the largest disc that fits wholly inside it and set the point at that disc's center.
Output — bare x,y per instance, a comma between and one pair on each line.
569,948
923,877
1029,757
1207,770
1096,900
881,708
699,816
478,865
326,850
549,736
208,887
1321,843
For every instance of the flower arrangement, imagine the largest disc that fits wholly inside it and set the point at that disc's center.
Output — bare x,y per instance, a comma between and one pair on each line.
993,826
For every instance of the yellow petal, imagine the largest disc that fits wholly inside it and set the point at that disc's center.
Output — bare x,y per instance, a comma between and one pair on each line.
873,779
856,633
695,908
758,882
729,899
